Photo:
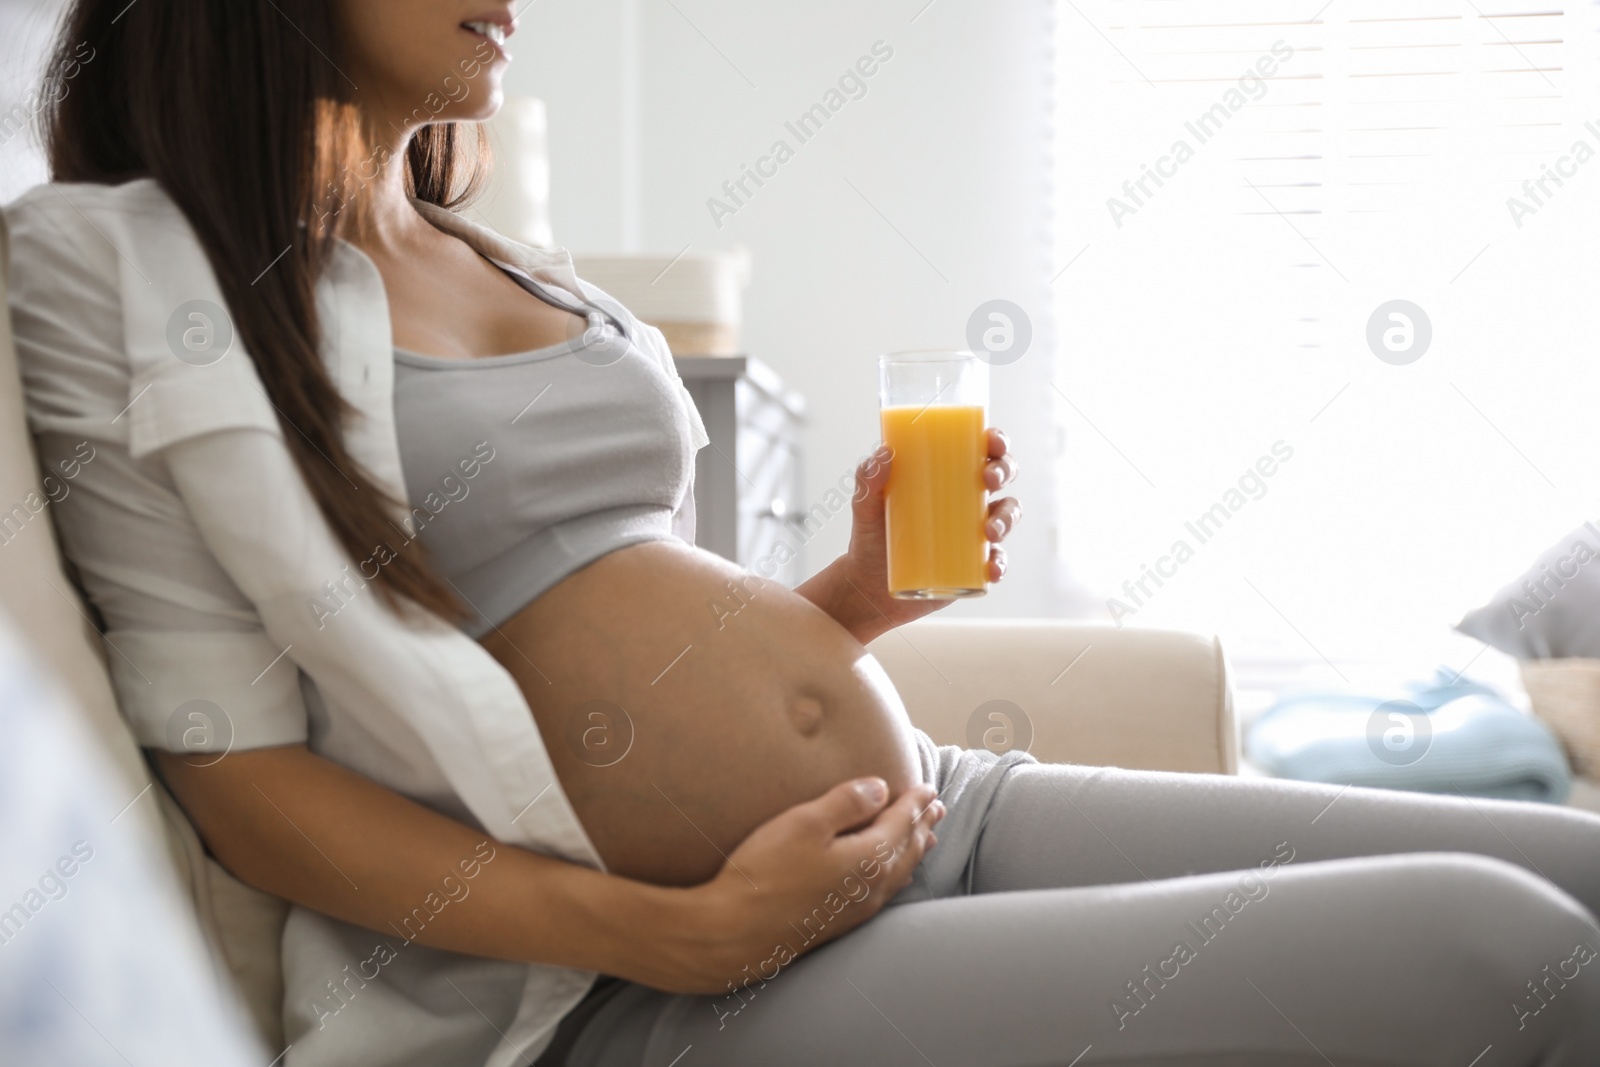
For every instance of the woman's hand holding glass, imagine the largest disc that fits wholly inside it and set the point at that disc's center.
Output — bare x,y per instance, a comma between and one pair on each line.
854,589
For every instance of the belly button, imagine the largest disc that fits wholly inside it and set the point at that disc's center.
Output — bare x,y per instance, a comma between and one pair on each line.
806,714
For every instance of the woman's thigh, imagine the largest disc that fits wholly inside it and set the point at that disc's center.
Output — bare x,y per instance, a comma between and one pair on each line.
1054,825
1420,960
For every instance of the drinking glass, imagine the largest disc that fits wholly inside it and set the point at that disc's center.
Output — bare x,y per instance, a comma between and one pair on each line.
934,412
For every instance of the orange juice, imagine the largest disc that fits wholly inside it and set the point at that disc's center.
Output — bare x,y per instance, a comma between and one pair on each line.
936,500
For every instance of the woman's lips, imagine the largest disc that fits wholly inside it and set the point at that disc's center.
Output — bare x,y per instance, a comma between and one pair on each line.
493,32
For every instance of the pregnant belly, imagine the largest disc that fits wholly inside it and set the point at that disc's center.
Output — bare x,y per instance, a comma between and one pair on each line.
684,702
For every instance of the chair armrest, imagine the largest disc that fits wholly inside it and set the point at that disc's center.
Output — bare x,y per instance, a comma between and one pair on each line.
1135,698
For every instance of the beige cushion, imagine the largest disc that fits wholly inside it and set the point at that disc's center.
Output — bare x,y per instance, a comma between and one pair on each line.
242,925
1143,699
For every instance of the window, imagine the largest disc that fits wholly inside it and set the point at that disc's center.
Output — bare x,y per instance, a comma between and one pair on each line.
1260,442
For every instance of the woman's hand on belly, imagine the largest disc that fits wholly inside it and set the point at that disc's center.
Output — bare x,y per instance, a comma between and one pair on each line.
803,878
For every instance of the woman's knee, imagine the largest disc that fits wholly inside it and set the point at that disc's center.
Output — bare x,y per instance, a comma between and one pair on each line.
1450,936
1481,887
1510,931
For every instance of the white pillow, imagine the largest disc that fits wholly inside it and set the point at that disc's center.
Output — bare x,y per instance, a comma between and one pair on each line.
1551,610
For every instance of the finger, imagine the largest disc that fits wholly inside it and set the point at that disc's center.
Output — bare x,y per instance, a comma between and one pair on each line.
896,824
872,473
998,473
896,865
918,838
997,563
902,868
886,868
998,443
1003,518
847,805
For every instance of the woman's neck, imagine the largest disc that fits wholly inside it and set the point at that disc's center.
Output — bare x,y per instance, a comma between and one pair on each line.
382,218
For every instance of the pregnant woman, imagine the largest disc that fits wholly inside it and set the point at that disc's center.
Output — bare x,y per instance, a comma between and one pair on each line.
389,528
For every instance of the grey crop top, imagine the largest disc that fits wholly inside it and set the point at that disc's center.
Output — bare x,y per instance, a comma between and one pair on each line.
521,469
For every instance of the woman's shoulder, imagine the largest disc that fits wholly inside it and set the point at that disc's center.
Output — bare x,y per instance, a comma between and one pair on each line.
108,284
66,237
137,198
69,243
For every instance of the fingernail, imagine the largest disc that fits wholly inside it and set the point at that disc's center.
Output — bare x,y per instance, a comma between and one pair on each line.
875,790
939,811
995,529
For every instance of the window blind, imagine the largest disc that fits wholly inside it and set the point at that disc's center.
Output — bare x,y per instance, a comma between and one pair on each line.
1242,186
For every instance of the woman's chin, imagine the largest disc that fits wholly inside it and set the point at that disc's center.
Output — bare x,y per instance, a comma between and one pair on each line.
481,106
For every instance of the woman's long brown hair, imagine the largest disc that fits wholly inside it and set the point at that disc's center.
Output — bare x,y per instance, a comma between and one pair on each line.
238,110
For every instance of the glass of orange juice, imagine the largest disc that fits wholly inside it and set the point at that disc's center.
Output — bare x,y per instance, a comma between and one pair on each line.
934,413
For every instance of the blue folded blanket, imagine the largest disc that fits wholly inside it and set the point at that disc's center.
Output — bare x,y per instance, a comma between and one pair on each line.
1439,737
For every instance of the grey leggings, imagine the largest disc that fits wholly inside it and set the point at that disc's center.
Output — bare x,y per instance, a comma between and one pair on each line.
1077,916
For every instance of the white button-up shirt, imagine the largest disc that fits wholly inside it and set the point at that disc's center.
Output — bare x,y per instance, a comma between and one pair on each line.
205,554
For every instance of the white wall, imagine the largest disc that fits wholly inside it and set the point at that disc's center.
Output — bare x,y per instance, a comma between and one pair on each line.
949,146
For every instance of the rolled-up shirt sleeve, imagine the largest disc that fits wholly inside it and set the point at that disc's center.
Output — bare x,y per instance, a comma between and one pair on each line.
191,663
